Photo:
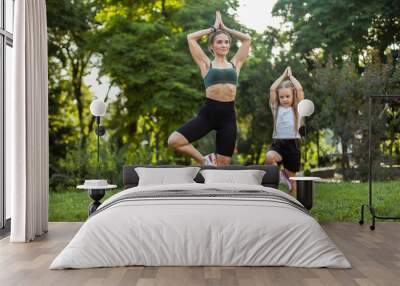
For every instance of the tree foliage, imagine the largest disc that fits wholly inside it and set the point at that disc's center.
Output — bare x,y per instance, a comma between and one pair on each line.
341,51
341,28
71,25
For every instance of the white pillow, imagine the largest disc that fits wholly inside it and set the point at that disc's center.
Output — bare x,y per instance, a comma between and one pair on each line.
165,176
249,177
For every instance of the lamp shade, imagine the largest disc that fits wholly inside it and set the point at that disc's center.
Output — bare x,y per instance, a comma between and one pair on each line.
98,107
305,107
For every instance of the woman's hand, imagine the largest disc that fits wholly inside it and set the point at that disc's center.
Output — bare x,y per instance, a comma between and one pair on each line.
217,24
221,23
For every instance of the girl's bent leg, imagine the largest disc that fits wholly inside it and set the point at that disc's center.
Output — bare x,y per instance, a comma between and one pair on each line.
293,191
272,158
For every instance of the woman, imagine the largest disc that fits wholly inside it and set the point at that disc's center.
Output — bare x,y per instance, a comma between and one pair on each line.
220,81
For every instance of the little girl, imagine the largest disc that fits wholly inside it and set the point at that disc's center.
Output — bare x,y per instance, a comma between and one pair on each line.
285,94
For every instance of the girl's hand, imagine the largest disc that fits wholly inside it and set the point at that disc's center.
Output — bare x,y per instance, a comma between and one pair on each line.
285,72
289,72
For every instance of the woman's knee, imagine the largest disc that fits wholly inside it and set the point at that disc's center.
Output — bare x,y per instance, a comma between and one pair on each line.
173,141
176,140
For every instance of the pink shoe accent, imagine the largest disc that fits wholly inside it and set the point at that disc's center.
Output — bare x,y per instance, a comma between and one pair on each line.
284,178
210,159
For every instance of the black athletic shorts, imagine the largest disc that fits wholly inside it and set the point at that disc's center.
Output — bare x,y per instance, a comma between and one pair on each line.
214,115
289,149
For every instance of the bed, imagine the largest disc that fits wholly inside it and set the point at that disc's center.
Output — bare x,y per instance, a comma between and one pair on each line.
201,224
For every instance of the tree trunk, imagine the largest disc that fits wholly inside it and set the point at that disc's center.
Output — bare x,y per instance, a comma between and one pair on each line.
79,64
252,157
345,160
317,148
157,148
163,10
259,150
77,91
392,140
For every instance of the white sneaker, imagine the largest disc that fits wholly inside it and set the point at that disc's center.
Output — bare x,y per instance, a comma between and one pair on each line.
210,160
284,179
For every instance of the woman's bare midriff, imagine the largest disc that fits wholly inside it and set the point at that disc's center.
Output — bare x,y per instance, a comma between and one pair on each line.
221,92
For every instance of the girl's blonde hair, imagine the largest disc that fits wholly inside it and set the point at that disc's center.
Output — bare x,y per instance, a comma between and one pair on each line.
274,102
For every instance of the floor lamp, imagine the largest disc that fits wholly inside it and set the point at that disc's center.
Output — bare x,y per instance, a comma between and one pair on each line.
97,188
98,108
305,109
305,184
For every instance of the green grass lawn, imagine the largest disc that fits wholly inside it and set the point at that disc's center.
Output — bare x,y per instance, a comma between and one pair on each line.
342,201
332,201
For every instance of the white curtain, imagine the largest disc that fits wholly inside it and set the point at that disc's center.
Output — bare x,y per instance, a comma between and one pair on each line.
27,124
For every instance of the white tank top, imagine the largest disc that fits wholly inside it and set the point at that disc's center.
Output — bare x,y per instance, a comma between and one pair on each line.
285,128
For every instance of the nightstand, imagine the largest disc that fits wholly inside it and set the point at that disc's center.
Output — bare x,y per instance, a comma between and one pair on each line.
96,193
305,189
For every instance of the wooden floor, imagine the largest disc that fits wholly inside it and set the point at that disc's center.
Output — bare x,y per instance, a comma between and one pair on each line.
374,255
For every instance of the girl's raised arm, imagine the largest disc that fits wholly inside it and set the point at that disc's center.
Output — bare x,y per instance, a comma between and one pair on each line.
273,95
297,85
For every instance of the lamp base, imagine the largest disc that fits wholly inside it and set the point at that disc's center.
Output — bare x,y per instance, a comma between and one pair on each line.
305,191
96,195
100,130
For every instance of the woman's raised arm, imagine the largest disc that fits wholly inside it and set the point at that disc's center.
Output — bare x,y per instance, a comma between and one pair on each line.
197,52
241,55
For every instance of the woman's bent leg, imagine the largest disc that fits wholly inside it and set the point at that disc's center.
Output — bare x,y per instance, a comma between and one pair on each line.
191,131
223,160
226,139
178,142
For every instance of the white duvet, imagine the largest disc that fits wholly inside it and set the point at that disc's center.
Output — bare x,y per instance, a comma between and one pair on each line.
205,231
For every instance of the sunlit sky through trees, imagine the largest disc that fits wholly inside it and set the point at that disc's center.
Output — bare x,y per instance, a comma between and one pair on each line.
256,14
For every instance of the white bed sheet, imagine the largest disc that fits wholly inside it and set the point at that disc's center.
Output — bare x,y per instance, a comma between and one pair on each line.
200,232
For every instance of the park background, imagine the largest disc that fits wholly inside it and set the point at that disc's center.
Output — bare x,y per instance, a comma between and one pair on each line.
133,54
